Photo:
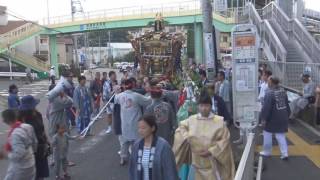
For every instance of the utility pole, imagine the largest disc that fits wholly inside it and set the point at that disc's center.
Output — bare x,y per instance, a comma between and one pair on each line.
48,13
110,54
75,7
9,58
210,60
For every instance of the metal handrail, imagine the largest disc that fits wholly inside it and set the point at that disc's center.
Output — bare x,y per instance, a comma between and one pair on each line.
32,61
293,27
311,13
309,44
16,34
273,11
255,18
275,43
191,7
312,25
268,35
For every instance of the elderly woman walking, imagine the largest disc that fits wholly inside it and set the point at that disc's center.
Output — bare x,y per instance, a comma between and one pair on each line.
29,115
20,147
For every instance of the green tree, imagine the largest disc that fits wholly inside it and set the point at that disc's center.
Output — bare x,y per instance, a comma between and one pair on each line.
129,57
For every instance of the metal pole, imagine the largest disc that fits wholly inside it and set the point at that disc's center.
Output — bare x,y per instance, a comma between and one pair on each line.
10,67
75,38
208,38
99,48
237,15
48,13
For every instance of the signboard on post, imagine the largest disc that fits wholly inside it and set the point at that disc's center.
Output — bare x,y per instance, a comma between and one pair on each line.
245,75
209,55
210,51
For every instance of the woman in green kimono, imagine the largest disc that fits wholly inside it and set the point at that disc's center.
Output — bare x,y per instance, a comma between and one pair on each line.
186,110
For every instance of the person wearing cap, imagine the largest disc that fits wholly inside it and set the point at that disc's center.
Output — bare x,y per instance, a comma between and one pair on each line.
307,96
29,115
20,147
131,104
203,140
52,75
165,116
275,117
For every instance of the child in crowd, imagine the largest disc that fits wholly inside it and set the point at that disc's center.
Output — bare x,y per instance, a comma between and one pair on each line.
60,145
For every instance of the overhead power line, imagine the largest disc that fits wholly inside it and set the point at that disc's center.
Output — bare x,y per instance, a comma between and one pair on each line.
11,13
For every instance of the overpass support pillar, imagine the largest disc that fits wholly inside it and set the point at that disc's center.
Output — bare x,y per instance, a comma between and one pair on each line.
53,53
198,43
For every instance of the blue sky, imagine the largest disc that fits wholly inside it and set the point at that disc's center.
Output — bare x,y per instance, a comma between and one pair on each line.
37,9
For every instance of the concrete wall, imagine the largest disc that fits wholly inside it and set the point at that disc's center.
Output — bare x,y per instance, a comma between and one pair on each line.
32,45
69,54
62,55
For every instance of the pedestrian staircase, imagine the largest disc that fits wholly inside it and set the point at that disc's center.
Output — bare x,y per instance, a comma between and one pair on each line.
286,43
26,60
18,35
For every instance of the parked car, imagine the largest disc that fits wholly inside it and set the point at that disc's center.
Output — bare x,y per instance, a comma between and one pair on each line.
93,66
123,66
117,65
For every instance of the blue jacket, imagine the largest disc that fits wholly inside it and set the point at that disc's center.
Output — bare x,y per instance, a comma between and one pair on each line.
13,101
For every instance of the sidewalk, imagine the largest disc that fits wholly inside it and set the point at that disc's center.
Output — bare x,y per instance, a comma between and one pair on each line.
304,157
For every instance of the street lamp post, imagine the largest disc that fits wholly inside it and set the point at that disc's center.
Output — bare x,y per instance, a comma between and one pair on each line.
48,13
9,59
208,38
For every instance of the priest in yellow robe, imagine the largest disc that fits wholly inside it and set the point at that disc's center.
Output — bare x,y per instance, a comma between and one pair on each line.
203,140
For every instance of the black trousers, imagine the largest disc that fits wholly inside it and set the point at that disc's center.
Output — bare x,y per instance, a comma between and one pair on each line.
53,79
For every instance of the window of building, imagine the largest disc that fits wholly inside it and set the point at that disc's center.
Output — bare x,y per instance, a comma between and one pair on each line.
225,39
43,41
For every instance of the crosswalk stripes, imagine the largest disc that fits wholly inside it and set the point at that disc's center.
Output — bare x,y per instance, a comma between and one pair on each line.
33,89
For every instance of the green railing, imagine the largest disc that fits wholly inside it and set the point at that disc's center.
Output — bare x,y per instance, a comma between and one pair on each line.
10,38
27,61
